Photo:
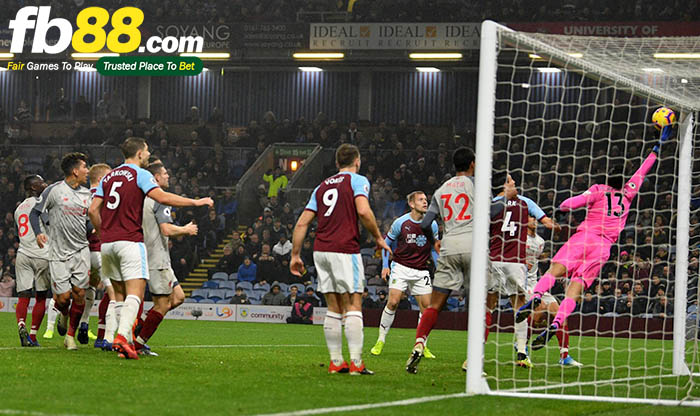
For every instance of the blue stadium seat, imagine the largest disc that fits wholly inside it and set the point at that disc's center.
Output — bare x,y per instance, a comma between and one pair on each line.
228,293
219,293
227,285
284,288
209,300
197,299
202,293
224,301
369,252
265,287
245,286
250,293
219,276
452,304
210,284
190,300
233,276
372,290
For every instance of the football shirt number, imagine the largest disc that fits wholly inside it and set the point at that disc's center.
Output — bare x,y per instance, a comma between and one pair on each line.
508,226
23,222
114,194
330,198
611,210
458,199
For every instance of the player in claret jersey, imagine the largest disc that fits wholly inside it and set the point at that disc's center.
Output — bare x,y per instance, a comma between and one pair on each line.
337,202
409,267
586,251
117,214
32,265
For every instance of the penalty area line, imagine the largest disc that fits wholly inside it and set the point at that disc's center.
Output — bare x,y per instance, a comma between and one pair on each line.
33,413
356,407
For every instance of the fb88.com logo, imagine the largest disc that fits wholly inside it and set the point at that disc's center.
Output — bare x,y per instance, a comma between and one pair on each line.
91,36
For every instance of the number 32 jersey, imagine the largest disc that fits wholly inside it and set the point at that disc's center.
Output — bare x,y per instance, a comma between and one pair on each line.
123,190
333,202
27,240
453,202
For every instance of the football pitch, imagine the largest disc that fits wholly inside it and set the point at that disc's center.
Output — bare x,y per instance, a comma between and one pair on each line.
243,368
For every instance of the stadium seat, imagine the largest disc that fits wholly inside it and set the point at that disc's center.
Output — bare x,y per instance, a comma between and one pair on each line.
371,270
233,276
197,299
190,300
224,301
245,286
228,293
208,300
218,293
452,304
250,293
369,252
210,284
284,288
259,293
227,285
265,287
372,290
219,276
202,293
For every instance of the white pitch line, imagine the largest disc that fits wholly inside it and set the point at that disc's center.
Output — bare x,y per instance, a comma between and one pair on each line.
189,346
33,413
587,383
355,407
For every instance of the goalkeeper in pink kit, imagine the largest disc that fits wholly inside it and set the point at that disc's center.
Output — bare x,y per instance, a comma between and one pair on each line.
582,257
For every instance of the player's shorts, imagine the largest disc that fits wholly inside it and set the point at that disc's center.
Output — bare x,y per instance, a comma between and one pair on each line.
402,278
339,272
161,282
96,269
583,256
71,272
124,260
547,297
453,271
507,278
32,272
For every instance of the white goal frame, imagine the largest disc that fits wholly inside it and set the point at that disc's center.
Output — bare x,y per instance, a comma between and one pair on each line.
488,65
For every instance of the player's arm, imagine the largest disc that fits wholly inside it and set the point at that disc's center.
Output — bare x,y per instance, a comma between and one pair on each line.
364,211
435,249
580,201
296,265
385,256
428,220
42,205
172,230
94,212
535,211
173,200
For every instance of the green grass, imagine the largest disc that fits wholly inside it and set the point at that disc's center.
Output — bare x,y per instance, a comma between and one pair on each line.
264,368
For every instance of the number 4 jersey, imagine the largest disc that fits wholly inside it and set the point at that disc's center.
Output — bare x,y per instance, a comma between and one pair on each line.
333,202
27,239
123,190
509,230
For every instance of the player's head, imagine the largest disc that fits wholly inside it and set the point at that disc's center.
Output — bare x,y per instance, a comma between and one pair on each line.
75,165
615,178
97,172
34,185
154,159
418,202
160,174
347,156
531,223
135,149
463,159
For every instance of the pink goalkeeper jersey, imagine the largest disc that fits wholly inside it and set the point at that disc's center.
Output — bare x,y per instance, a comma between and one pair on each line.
608,208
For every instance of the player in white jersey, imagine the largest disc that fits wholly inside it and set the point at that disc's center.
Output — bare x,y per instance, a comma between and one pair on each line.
157,228
453,202
550,306
32,266
67,204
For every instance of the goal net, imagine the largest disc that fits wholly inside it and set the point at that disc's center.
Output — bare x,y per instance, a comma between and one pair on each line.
560,113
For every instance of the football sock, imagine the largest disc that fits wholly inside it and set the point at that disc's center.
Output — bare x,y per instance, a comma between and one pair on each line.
89,300
567,306
139,315
111,321
563,338
355,335
149,327
426,324
333,330
521,336
489,320
76,312
385,323
128,316
102,313
51,315
37,316
21,311
420,315
545,283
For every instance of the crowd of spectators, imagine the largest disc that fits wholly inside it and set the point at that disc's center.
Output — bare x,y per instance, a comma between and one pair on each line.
277,11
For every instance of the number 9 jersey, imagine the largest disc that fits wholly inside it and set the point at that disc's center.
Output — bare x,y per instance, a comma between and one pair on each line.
452,201
333,202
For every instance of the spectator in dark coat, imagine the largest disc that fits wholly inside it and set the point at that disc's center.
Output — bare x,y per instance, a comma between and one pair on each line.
240,298
367,301
293,296
227,263
302,312
274,297
590,304
663,308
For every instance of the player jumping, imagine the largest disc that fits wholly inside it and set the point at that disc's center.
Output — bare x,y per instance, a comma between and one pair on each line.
586,251
66,202
117,214
452,201
337,202
409,264
32,266
157,228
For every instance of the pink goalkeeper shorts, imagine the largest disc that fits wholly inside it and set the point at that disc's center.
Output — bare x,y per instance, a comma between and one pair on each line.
583,256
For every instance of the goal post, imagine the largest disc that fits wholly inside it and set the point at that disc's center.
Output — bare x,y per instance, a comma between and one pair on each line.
583,104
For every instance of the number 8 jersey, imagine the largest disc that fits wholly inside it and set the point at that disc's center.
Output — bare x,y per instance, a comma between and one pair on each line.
123,190
333,202
27,240
453,202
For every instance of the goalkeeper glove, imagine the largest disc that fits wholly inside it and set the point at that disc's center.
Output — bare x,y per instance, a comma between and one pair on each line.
665,135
